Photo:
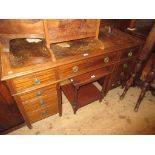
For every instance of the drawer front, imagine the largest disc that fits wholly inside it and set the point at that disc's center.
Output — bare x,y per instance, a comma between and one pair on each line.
42,113
48,90
33,79
130,53
86,65
41,102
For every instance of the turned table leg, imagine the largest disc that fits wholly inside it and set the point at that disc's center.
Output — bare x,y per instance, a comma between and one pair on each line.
146,86
135,76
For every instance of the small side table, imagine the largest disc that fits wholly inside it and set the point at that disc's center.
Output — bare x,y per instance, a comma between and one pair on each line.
81,91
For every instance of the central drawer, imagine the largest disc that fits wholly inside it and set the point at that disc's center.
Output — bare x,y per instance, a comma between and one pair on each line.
72,69
33,79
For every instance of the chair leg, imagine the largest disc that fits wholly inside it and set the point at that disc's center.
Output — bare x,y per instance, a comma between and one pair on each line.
146,86
141,96
135,76
127,86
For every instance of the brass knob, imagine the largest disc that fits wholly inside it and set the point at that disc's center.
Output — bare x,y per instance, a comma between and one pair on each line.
106,59
41,103
130,54
44,114
125,65
75,69
36,81
39,93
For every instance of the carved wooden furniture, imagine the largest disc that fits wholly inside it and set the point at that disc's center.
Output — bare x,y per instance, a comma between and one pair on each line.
135,77
33,76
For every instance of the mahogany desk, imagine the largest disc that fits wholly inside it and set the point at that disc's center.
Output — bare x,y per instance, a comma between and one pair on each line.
34,83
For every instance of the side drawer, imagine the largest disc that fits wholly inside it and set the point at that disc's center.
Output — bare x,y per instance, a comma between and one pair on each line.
130,53
86,65
42,113
38,78
40,102
48,90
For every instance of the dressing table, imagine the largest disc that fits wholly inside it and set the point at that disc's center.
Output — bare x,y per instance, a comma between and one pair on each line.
37,55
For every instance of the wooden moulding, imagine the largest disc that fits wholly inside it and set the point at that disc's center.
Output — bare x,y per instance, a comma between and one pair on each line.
47,39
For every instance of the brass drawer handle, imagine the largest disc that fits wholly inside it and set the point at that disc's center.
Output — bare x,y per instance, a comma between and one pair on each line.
125,65
75,69
106,59
41,103
39,93
36,81
130,54
112,84
44,114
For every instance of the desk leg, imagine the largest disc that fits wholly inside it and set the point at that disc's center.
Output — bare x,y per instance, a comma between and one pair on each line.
75,101
103,91
59,96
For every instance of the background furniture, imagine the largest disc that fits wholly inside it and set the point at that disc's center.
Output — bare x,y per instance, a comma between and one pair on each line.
135,77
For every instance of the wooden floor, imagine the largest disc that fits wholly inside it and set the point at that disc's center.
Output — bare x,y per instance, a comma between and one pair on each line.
112,116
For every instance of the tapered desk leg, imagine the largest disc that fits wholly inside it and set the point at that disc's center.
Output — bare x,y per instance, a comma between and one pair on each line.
103,91
59,94
75,102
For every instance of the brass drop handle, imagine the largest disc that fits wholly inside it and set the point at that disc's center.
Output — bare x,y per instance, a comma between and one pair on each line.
39,93
122,74
106,59
36,81
44,114
75,69
130,54
41,103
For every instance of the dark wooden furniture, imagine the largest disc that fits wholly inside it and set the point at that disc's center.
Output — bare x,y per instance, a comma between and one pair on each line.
135,77
33,77
81,90
10,116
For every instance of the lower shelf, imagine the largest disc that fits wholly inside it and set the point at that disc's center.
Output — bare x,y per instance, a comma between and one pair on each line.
86,94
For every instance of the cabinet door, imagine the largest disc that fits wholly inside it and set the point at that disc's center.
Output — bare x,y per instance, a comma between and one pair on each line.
122,73
9,113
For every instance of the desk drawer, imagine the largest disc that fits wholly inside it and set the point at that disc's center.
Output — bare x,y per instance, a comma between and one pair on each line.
33,79
40,102
48,90
130,53
86,65
42,113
